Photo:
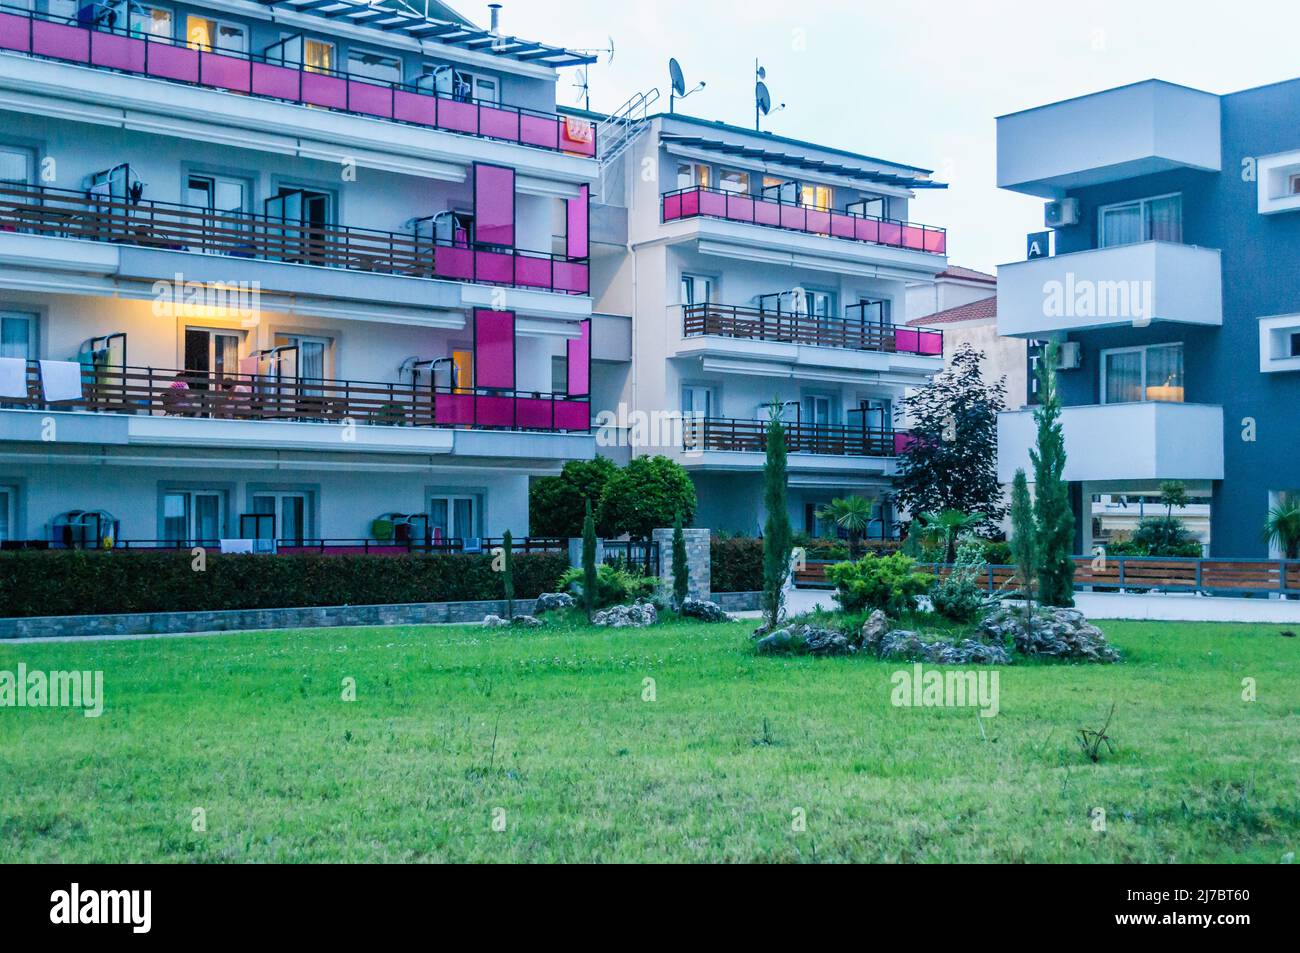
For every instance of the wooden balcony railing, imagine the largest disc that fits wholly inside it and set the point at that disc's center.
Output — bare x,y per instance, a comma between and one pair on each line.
64,213
853,331
724,433
171,393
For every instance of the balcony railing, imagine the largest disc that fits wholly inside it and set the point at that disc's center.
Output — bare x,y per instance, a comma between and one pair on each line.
854,331
61,38
700,201
172,393
750,436
65,213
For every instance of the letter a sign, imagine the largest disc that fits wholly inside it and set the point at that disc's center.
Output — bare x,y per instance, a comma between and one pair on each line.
1037,245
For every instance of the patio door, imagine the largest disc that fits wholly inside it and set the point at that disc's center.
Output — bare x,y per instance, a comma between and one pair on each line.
453,517
210,355
305,215
192,517
289,515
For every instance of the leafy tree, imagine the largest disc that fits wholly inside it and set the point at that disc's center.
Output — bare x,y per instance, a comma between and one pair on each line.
556,504
851,514
952,462
508,572
648,493
777,534
680,568
589,562
1052,510
949,526
1282,526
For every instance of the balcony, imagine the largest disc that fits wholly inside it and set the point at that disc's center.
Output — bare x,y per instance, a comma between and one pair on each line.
750,436
1109,287
703,202
156,393
856,331
1138,441
62,39
1122,133
65,213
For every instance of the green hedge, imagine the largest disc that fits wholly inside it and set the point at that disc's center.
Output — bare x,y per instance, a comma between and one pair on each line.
737,564
72,582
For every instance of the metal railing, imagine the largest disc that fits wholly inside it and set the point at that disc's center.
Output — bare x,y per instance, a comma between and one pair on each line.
750,436
180,393
64,213
853,332
706,202
277,77
329,547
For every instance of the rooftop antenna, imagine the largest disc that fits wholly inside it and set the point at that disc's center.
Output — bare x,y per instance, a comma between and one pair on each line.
584,89
678,83
762,97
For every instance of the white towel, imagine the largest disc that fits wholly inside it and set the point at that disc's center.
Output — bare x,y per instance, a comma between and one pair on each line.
236,545
13,377
60,380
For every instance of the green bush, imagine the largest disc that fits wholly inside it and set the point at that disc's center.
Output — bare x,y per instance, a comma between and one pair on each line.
960,596
614,586
1157,536
891,583
556,505
736,564
77,582
648,494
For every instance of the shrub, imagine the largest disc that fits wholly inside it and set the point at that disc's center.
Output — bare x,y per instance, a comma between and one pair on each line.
556,504
77,582
890,583
649,493
960,596
736,564
1157,536
614,586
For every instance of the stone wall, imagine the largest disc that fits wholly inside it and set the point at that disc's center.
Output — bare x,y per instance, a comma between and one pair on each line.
698,561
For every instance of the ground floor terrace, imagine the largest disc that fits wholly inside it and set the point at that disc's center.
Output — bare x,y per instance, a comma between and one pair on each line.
731,501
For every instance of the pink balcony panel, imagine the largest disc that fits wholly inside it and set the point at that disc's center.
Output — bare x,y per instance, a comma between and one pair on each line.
767,213
578,359
936,241
572,415
792,216
15,33
498,123
61,41
712,203
819,222
929,343
842,225
173,62
415,107
571,276
494,205
532,272
913,237
866,230
672,208
690,203
577,221
535,413
117,52
321,90
457,116
225,72
539,131
891,233
902,441
740,208
370,99
278,81
456,410
494,411
494,348
494,267
453,262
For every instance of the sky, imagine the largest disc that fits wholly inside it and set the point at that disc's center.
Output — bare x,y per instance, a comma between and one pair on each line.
912,82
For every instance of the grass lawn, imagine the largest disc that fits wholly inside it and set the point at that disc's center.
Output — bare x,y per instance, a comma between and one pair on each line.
451,724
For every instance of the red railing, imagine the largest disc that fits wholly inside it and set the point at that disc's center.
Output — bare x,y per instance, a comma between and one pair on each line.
750,436
700,201
172,393
853,333
63,213
63,39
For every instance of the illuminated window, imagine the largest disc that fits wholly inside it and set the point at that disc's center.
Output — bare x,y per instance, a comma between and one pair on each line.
690,175
463,362
731,180
318,56
151,21
816,196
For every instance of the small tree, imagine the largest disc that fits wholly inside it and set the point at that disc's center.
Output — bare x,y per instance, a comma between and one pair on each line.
851,514
1052,510
1282,527
589,562
681,571
556,504
1024,538
648,493
949,526
777,534
508,572
1172,494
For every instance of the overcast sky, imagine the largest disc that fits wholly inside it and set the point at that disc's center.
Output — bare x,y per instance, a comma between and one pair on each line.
914,82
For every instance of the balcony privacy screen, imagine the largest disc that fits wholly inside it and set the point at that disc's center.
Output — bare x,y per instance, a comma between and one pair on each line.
579,362
494,205
494,348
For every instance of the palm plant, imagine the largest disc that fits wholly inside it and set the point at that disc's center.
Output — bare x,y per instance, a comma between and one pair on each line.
1282,526
851,514
949,526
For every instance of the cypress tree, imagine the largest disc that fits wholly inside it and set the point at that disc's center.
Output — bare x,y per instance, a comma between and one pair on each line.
589,562
508,572
1055,519
777,535
681,572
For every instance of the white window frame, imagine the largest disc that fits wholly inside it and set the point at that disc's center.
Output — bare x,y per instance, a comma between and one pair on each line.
145,9
279,496
9,505
33,324
1144,204
29,161
476,502
709,281
396,79
1141,349
190,527
709,393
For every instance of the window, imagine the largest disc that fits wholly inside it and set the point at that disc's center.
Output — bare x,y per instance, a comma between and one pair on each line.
317,56
463,363
63,9
697,400
202,33
1293,185
8,512
461,85
211,352
17,335
559,375
817,409
307,362
151,21
870,207
731,180
15,165
780,190
487,90
1134,374
1295,344
290,512
696,289
816,196
690,175
216,193
386,69
1157,219
454,517
192,517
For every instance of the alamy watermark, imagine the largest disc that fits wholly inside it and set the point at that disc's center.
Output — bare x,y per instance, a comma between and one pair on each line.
664,429
1085,298
54,689
947,688
211,299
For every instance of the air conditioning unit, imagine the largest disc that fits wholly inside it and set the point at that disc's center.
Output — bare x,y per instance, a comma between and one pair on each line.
1071,358
1062,213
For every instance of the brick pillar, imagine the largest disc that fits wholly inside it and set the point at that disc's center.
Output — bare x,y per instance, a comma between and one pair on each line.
575,551
698,561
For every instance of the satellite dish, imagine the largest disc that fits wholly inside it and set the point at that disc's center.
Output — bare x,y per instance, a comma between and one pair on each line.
675,74
762,72
763,98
